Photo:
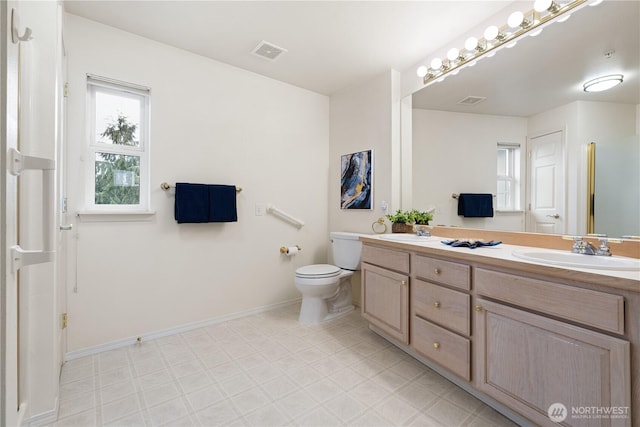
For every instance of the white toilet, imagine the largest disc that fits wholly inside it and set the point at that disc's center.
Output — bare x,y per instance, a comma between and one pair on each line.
325,288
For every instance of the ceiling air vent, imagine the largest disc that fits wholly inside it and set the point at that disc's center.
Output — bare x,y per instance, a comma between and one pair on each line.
472,100
268,50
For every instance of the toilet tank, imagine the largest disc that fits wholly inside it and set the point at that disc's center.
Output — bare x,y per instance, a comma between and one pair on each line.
346,248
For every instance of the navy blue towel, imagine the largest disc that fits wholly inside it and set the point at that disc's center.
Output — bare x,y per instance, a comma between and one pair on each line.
197,203
222,203
475,205
192,203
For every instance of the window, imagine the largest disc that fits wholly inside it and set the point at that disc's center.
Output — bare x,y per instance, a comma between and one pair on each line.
118,136
508,177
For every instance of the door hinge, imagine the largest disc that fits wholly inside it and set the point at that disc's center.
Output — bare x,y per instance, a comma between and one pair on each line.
64,320
66,90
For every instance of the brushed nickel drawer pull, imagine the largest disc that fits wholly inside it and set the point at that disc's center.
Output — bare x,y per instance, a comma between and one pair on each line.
436,345
437,271
404,282
436,304
478,308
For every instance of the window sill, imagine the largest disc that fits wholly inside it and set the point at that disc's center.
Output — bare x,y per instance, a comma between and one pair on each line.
116,216
510,212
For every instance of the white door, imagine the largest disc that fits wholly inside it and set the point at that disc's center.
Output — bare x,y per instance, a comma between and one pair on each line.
546,189
9,411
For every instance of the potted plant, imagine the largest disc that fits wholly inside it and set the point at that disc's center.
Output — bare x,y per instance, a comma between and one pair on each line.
405,221
400,222
420,217
421,221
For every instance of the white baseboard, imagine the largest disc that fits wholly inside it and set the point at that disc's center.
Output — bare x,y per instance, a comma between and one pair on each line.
88,351
45,418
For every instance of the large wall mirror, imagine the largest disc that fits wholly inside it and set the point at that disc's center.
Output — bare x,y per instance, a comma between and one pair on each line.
524,112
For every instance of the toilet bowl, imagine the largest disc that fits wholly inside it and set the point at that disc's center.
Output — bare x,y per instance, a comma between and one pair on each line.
326,288
326,292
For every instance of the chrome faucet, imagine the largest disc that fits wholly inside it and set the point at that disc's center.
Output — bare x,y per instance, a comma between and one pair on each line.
603,249
585,248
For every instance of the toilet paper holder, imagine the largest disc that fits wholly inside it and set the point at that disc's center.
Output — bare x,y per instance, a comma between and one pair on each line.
284,249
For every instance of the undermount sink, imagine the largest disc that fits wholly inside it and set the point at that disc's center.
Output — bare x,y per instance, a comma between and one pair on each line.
405,237
570,259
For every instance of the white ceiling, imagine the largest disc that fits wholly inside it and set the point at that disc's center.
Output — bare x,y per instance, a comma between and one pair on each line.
331,44
547,71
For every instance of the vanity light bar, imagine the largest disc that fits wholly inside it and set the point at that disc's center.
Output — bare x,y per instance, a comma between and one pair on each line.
518,25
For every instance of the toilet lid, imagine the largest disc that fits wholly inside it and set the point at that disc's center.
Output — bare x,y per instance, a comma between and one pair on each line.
318,270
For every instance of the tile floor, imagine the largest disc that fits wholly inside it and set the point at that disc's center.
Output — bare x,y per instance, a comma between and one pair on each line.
265,370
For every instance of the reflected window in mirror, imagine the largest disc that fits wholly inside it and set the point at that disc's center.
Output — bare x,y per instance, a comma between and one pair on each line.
508,193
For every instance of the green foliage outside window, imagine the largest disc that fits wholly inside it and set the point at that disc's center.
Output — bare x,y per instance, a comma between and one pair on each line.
118,175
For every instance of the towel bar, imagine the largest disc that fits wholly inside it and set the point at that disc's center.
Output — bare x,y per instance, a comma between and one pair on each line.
455,195
166,186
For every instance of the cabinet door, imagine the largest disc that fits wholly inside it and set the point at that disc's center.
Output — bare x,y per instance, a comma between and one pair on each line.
385,301
530,362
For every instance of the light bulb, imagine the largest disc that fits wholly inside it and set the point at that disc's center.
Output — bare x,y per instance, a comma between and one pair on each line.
436,63
565,17
471,43
542,5
491,33
515,19
422,71
535,32
453,54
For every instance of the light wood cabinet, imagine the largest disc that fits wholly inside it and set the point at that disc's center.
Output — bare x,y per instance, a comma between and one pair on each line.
449,350
385,300
440,319
592,308
530,362
509,335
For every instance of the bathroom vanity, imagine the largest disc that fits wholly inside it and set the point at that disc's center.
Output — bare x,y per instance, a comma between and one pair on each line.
519,335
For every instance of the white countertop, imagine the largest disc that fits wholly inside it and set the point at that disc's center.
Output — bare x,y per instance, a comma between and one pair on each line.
503,252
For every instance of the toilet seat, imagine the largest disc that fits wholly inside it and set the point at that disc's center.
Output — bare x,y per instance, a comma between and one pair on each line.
318,271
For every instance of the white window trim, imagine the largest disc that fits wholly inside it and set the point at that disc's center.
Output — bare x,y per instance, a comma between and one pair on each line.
514,179
93,147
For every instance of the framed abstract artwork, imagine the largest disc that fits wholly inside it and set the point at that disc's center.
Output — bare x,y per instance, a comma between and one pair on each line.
356,180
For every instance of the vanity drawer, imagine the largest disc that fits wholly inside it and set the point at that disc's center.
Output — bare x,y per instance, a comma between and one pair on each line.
441,305
446,272
447,349
387,258
598,309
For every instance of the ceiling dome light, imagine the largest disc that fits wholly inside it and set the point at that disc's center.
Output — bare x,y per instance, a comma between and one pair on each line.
602,83
422,71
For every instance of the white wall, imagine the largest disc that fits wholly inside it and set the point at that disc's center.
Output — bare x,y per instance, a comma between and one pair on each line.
456,153
583,122
365,117
210,123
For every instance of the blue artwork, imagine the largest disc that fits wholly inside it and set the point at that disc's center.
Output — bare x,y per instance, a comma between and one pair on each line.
356,181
